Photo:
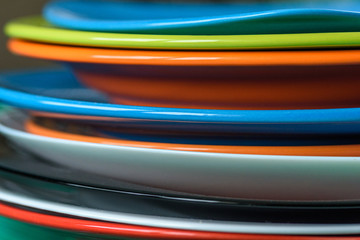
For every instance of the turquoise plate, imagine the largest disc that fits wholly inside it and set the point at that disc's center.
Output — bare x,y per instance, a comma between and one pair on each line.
264,17
23,90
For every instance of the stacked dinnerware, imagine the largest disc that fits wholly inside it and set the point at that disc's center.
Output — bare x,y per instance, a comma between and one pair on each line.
183,121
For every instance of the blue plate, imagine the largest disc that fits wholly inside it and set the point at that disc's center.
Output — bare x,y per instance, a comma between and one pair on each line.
57,91
204,19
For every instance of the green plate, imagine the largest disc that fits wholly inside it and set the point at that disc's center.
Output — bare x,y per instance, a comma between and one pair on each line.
14,230
35,28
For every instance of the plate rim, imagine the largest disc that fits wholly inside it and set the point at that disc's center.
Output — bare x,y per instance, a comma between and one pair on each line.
57,105
30,29
89,24
166,222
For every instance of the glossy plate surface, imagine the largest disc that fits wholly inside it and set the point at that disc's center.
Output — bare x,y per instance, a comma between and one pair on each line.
239,176
332,147
183,58
36,28
16,159
225,87
29,228
33,194
20,230
217,18
86,197
23,89
12,229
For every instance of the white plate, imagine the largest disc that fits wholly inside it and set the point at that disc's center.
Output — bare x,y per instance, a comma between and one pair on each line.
251,177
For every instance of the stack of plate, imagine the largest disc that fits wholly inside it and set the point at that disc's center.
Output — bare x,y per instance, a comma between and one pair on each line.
183,121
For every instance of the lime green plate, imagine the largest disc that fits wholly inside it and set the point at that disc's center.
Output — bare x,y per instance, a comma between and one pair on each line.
35,28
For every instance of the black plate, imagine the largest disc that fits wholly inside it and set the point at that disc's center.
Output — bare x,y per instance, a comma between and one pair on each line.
125,202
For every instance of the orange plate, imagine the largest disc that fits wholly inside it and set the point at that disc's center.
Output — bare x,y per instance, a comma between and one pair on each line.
183,58
325,150
258,80
250,88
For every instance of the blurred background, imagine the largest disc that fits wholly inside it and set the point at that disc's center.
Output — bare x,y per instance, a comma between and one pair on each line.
12,9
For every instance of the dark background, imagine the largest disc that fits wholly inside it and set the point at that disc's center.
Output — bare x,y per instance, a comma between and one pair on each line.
10,9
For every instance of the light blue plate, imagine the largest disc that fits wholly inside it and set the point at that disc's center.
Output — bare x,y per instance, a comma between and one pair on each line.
57,91
204,19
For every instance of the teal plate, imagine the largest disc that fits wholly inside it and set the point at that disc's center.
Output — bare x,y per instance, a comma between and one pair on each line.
15,230
265,17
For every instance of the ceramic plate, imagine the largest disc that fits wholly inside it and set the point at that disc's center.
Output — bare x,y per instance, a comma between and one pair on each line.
346,146
225,87
232,83
122,202
20,230
28,228
177,223
183,58
136,206
37,29
29,197
240,176
19,90
18,160
11,229
206,19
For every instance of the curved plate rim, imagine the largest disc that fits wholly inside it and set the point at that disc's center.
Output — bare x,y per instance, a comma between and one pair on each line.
49,104
58,14
36,29
211,226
